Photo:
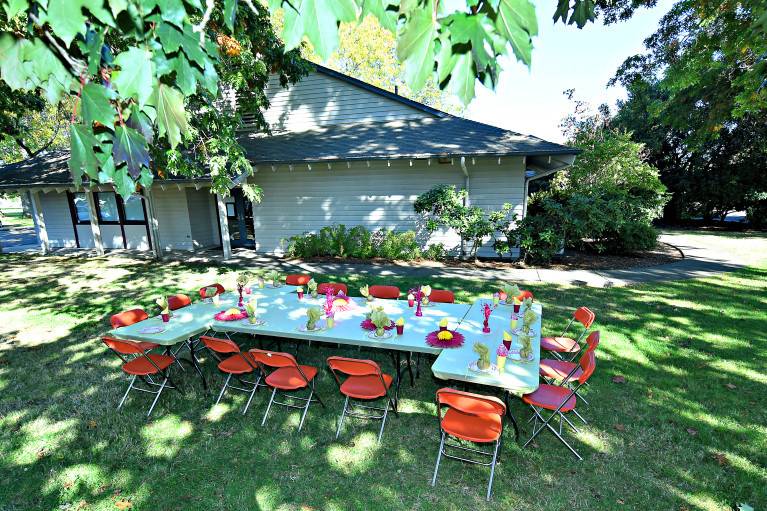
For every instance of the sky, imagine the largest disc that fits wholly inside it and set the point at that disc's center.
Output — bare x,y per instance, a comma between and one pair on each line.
531,101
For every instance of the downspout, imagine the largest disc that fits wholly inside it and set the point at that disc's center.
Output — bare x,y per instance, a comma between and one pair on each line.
466,201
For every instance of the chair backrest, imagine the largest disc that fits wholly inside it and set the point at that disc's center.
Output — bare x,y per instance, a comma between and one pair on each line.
588,363
220,345
178,301
297,279
386,292
592,341
274,359
219,290
584,316
123,347
353,366
127,318
333,286
441,296
468,402
525,294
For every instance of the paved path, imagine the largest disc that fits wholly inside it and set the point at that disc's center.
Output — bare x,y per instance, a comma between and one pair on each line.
704,255
18,239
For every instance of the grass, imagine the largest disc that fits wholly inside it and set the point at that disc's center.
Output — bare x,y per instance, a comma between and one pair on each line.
685,431
16,220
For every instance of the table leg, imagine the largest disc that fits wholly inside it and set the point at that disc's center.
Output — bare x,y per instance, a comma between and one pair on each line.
396,358
410,368
510,415
193,357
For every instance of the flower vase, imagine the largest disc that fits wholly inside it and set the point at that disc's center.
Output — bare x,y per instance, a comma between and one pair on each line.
485,327
418,311
400,329
410,302
165,317
300,295
239,291
501,363
380,332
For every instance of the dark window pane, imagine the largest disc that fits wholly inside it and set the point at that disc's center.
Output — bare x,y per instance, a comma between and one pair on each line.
134,209
81,207
108,207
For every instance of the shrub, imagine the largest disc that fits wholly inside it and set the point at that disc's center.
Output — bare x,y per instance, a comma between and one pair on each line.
756,211
357,242
538,238
435,252
634,236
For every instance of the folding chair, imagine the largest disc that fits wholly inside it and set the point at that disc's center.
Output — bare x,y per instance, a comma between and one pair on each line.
562,347
362,380
559,400
236,365
143,365
297,279
178,301
554,370
524,295
335,287
385,292
472,417
282,373
219,290
131,317
441,296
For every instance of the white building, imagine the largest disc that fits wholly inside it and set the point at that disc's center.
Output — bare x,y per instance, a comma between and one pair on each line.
341,152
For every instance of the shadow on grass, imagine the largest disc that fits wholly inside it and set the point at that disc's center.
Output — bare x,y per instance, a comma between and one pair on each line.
659,437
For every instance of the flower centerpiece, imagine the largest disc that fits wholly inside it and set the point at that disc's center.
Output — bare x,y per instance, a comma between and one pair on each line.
486,311
410,299
425,293
507,340
381,321
231,314
501,353
365,291
443,324
509,292
275,277
400,324
251,307
242,281
483,362
313,315
311,286
162,302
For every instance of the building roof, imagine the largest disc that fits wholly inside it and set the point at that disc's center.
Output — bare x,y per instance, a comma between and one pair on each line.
425,137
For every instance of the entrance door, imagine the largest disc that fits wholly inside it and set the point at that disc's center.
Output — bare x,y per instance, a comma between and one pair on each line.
239,216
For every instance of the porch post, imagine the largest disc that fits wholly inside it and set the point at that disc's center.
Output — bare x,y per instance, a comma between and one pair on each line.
223,226
95,229
37,214
154,225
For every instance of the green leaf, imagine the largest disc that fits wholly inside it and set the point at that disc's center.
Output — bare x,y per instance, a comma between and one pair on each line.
445,58
13,70
124,185
14,7
94,40
415,46
462,78
117,6
384,10
67,20
95,105
146,178
563,7
134,80
517,23
171,116
140,122
172,40
185,77
230,12
478,30
130,147
82,157
173,11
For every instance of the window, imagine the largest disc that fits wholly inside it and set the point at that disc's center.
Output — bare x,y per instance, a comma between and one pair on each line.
81,208
107,207
134,209
230,209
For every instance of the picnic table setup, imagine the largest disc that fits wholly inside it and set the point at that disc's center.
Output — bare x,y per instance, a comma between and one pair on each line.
494,342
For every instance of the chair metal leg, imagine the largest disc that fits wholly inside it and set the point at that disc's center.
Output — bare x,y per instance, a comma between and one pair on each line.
130,386
271,400
226,383
492,469
157,397
253,393
579,416
341,420
383,423
439,457
306,409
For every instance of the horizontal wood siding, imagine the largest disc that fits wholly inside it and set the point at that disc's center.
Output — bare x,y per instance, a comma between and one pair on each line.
58,220
378,196
201,204
320,100
173,219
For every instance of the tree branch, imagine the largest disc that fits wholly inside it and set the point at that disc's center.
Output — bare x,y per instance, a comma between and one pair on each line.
200,27
78,66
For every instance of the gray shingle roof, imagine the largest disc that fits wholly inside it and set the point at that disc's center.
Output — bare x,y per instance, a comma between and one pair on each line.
45,169
425,137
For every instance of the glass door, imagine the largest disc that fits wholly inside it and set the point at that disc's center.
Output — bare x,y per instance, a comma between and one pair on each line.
239,217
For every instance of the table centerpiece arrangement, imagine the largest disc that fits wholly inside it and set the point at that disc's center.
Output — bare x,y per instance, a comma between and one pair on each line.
369,324
211,294
231,314
162,302
400,325
251,307
274,277
313,315
482,364
444,338
311,286
365,292
382,324
242,281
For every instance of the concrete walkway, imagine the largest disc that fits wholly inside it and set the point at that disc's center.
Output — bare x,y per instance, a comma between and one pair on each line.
18,239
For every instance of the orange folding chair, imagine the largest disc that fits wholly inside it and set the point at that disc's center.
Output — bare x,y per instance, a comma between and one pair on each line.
142,365
441,296
554,370
562,347
472,417
237,365
362,380
131,317
178,301
525,294
297,279
559,401
282,373
335,287
219,290
385,292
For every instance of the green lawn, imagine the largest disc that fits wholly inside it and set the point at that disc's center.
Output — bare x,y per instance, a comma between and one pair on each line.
686,430
16,220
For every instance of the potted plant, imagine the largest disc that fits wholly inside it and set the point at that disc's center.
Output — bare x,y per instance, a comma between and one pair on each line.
162,302
509,293
313,315
274,276
211,292
379,318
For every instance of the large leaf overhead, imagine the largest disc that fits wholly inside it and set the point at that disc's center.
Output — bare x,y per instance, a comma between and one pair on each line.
134,79
517,23
416,46
130,147
95,105
171,116
82,156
